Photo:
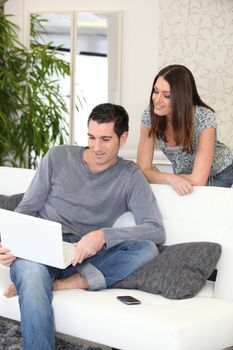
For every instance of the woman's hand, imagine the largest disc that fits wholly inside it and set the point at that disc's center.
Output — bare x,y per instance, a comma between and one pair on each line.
179,184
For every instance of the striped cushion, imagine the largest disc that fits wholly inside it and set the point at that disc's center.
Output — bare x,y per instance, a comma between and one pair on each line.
179,272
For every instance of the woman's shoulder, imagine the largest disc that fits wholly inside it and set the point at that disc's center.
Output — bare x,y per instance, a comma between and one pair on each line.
201,110
204,118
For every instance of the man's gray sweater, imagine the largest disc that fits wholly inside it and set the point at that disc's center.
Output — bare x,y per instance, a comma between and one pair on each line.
65,190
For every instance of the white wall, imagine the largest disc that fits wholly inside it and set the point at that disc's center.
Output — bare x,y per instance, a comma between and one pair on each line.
199,34
161,32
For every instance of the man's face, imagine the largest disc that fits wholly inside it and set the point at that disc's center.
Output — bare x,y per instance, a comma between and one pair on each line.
104,143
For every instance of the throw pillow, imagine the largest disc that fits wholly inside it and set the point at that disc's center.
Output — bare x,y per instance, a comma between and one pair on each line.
10,202
180,271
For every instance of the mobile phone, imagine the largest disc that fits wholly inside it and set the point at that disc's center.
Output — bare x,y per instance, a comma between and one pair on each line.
128,299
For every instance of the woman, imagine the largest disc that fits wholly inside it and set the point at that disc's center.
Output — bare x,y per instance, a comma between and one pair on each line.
184,128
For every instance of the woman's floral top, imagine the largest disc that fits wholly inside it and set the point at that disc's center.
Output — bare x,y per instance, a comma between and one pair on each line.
182,162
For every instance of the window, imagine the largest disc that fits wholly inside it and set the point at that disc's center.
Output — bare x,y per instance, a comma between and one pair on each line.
90,42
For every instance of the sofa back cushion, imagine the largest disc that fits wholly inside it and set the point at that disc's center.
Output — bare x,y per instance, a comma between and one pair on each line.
204,215
14,180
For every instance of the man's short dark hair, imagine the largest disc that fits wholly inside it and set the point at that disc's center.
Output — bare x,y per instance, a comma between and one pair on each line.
107,113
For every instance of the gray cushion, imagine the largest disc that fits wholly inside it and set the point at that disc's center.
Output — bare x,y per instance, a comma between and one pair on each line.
179,272
10,202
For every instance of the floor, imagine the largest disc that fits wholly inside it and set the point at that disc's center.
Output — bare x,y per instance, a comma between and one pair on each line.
75,340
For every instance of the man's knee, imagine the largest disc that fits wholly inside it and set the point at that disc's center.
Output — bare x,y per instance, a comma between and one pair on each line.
24,267
28,272
150,249
144,248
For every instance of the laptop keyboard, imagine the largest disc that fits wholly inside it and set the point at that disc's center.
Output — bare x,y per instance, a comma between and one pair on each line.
69,251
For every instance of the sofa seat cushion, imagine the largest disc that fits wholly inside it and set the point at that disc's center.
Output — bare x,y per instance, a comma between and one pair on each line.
157,323
179,272
94,315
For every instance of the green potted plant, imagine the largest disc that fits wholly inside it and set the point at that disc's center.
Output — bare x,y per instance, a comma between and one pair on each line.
33,112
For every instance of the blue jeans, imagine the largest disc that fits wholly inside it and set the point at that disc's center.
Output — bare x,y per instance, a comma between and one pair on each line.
223,179
34,283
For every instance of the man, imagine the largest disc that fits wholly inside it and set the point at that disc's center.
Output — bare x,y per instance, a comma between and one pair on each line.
85,189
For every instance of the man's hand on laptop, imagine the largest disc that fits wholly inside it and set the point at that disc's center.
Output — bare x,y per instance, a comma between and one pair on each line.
6,257
89,245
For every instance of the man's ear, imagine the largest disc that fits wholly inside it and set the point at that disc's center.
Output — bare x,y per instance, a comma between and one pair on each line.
123,138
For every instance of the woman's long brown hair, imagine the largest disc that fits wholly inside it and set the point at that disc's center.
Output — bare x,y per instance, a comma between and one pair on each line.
184,97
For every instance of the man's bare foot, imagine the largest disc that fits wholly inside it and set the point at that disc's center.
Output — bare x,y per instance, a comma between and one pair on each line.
10,291
73,282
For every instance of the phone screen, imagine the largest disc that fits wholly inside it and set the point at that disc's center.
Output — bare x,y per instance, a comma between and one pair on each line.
128,299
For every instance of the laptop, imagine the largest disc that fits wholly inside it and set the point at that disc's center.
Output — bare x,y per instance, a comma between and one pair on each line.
35,239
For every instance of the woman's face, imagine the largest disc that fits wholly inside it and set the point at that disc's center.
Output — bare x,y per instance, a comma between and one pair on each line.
161,98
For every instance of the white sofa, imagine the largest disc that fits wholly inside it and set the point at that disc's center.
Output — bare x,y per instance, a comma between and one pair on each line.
204,322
